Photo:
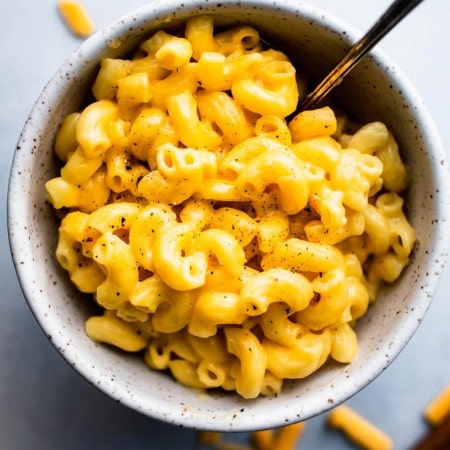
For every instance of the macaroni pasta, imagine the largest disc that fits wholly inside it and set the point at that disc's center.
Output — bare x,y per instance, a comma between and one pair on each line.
231,246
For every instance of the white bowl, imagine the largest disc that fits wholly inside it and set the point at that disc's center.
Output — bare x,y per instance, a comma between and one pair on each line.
375,90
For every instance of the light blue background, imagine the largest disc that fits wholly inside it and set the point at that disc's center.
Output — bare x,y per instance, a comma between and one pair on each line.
44,404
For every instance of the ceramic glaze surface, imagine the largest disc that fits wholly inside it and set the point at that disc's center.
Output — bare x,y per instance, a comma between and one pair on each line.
375,90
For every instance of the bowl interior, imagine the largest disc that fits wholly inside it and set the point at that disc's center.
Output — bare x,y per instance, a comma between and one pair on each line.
375,90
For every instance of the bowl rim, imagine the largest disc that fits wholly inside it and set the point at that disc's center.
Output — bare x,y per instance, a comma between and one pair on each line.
18,217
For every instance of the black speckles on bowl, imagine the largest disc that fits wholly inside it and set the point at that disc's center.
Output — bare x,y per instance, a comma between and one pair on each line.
315,41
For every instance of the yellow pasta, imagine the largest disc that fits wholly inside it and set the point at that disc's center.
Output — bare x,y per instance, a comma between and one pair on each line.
190,129
273,91
66,142
309,124
358,429
287,437
344,346
213,309
77,17
87,197
208,437
219,108
231,244
370,138
109,328
306,354
94,127
252,360
133,90
174,53
121,269
274,285
200,33
149,130
79,169
438,408
284,438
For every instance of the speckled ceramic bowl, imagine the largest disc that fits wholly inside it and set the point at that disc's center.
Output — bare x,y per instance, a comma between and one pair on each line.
374,90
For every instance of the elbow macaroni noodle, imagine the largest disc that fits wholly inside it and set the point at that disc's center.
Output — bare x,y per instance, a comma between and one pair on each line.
358,429
231,246
76,17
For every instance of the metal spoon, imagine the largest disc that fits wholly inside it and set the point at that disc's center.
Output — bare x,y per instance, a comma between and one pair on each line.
393,15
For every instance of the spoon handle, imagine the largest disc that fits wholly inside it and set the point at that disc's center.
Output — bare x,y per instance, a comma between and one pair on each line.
393,15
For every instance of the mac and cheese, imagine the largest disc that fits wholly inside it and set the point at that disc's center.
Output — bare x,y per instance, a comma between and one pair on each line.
231,246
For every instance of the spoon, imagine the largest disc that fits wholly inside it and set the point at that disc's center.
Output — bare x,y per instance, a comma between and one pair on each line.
392,16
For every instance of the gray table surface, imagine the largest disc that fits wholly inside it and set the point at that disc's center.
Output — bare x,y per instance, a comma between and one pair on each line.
44,404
